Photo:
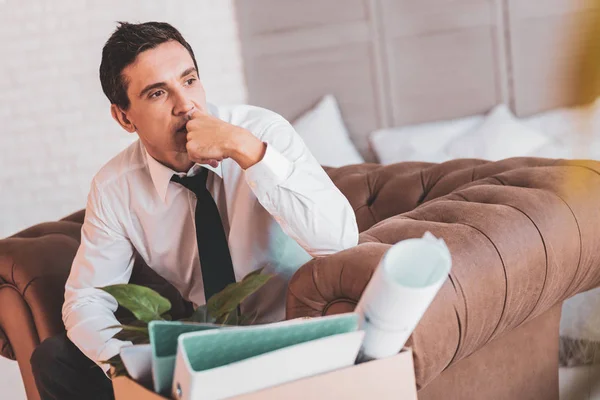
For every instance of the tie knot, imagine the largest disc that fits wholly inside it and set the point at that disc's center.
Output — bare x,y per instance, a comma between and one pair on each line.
196,183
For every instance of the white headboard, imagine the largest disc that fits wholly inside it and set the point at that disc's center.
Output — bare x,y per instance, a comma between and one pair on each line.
397,62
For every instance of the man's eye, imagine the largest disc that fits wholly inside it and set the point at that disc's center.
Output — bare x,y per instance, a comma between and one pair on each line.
190,81
156,94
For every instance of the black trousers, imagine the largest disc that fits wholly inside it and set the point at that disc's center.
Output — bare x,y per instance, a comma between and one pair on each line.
62,371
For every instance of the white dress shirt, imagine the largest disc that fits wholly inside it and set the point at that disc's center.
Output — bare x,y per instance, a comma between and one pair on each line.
277,214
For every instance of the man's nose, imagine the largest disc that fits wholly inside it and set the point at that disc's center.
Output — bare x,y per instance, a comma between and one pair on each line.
183,104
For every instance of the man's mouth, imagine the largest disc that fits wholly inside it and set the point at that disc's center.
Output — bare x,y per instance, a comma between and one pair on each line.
182,130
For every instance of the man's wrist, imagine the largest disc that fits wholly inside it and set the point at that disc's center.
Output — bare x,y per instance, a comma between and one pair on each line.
246,149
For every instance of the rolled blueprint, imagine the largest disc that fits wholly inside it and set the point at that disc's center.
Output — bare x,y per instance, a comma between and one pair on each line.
403,285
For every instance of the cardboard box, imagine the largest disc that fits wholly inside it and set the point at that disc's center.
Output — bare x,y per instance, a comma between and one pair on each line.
389,378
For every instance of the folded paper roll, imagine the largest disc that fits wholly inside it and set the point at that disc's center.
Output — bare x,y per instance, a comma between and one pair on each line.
403,285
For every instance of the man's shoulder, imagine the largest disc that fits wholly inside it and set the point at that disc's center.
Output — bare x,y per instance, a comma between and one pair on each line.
120,166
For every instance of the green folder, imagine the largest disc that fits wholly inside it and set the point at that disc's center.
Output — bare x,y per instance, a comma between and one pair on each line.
163,339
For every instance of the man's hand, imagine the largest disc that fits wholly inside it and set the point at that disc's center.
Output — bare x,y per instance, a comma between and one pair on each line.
208,138
211,140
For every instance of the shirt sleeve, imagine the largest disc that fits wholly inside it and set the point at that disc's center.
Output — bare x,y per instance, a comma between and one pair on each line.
105,257
292,186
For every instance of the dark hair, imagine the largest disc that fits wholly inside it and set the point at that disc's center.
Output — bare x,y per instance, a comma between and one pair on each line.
123,46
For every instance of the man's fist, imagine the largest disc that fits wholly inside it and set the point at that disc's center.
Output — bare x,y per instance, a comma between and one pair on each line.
211,140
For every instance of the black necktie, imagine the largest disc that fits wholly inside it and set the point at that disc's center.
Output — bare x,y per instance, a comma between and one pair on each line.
215,259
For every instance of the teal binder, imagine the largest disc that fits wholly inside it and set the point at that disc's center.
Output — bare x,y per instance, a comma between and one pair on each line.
163,339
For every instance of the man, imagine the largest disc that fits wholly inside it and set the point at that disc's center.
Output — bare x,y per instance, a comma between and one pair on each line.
206,195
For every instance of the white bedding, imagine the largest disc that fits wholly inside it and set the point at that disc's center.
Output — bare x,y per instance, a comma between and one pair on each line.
568,133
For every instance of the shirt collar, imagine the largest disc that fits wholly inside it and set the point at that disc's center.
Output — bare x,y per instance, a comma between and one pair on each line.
161,174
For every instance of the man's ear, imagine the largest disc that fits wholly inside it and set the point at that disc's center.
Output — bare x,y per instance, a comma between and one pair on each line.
120,116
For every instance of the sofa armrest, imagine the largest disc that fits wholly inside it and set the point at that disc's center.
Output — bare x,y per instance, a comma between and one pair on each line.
34,266
522,241
77,216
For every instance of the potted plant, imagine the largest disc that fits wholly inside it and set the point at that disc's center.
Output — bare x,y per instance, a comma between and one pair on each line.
147,305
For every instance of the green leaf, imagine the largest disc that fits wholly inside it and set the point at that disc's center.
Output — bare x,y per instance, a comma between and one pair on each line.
144,303
132,333
133,337
117,364
248,319
255,272
231,318
201,314
231,297
130,328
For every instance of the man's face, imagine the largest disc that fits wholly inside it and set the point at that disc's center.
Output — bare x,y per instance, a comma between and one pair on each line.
163,89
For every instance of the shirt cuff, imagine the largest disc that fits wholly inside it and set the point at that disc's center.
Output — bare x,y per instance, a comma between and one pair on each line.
269,172
111,349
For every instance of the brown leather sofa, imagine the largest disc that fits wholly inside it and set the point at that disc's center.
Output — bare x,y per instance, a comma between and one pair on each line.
524,236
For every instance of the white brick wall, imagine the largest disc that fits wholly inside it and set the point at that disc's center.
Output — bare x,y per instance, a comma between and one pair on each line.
56,130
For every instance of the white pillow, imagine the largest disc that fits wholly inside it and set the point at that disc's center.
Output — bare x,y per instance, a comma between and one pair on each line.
500,136
575,129
422,142
557,123
326,136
